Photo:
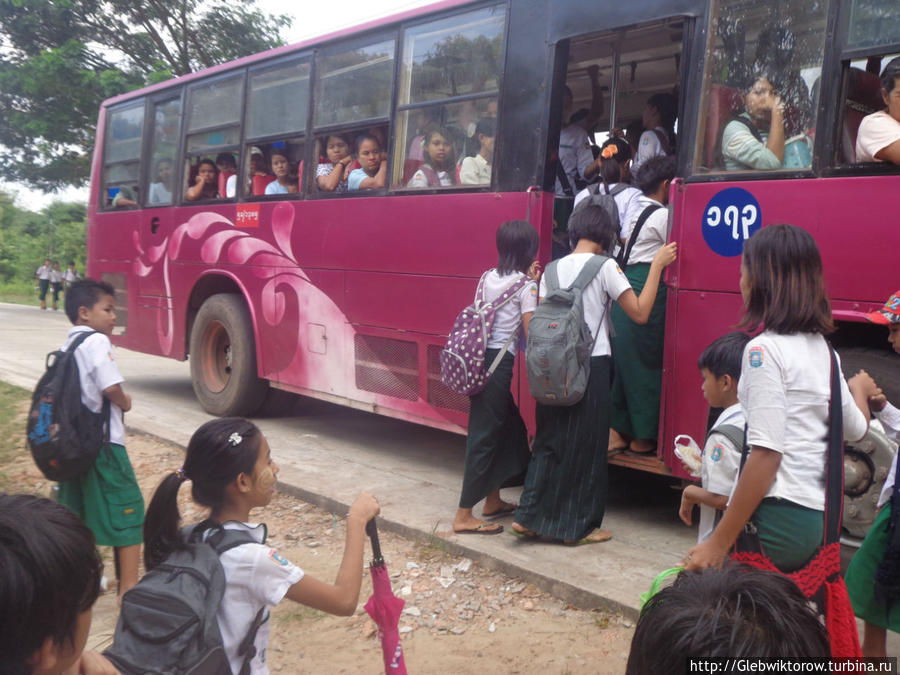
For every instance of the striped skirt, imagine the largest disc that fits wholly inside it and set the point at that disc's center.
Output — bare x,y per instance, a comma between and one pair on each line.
567,481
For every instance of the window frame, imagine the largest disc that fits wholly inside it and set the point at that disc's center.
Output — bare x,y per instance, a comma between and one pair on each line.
141,102
174,94
398,108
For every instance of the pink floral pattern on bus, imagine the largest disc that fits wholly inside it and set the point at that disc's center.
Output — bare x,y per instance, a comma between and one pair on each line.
277,288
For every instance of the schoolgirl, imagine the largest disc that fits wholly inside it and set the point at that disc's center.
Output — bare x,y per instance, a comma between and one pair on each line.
231,470
206,182
497,441
331,176
285,182
566,485
785,391
440,166
614,167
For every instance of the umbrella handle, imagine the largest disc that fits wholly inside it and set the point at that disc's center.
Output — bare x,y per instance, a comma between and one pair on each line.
372,531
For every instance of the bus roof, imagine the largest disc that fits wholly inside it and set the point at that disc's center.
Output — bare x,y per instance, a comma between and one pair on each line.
287,49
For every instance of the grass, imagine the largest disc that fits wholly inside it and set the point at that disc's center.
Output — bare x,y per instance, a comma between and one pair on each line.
13,405
22,293
432,546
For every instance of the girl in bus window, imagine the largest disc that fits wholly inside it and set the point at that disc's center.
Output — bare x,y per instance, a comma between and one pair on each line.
206,182
477,170
440,166
284,182
658,119
755,138
785,389
373,165
331,176
160,189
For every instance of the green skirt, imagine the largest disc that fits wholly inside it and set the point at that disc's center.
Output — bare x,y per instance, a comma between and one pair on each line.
637,363
860,577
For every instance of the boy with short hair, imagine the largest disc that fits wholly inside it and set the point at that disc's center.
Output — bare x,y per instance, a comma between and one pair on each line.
50,581
107,497
874,570
720,366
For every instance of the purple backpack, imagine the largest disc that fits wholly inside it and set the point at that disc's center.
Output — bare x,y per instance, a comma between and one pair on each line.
462,360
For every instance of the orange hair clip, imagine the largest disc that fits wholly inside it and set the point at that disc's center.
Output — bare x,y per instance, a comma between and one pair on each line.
609,151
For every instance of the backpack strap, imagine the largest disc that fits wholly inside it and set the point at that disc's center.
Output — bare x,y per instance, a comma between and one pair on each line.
551,276
620,187
737,435
105,407
507,295
635,232
663,141
564,179
587,273
747,123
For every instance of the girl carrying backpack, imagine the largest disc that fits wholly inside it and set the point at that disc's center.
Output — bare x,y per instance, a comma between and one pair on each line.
231,470
566,485
497,441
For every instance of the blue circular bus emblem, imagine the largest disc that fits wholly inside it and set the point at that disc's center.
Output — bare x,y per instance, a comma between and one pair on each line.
730,218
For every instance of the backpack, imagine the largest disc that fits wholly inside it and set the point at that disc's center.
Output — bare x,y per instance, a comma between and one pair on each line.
167,623
462,360
625,253
560,343
64,435
605,199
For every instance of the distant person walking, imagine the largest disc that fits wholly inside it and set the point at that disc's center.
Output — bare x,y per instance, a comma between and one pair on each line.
56,283
71,275
42,276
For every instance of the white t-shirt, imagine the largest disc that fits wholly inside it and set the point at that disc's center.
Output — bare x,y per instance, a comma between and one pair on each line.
475,171
160,194
890,420
653,234
785,388
71,276
509,316
719,466
97,371
420,180
56,276
626,201
648,148
574,154
609,284
876,132
255,576
43,272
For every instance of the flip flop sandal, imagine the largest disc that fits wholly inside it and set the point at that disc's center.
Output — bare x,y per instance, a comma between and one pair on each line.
499,513
524,535
484,528
586,541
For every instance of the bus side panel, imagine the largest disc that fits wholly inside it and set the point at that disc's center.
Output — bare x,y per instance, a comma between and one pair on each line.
693,320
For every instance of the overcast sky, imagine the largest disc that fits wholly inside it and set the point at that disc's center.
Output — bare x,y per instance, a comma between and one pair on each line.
315,18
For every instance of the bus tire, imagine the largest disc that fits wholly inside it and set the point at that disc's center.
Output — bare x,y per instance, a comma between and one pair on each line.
867,462
223,358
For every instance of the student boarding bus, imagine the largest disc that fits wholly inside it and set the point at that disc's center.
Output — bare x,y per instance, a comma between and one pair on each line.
208,215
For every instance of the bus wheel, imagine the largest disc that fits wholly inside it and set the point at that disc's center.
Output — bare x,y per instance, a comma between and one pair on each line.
223,358
867,462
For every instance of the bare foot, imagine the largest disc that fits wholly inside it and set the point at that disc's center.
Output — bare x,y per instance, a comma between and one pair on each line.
500,508
642,445
616,442
466,522
595,537
523,531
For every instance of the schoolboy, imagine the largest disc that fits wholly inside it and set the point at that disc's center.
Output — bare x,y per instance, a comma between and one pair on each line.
865,576
50,580
720,366
107,497
735,611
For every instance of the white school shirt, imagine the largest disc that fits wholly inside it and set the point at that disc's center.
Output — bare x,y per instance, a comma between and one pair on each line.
609,284
97,371
648,148
70,276
574,154
785,388
890,420
653,234
508,317
43,272
256,575
475,171
719,466
56,276
626,202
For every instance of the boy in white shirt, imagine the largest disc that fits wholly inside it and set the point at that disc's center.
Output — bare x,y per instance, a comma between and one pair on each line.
107,497
867,575
720,366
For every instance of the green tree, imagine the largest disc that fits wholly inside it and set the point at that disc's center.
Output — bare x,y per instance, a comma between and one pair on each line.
61,58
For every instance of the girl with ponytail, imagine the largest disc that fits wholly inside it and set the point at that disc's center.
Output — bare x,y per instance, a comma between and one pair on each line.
230,467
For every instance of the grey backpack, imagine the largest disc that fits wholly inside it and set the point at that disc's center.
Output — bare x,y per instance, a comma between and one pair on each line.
167,624
560,343
605,198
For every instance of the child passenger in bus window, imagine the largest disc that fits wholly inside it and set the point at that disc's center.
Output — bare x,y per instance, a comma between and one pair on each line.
284,182
161,188
477,170
439,167
373,165
206,182
755,138
331,176
879,133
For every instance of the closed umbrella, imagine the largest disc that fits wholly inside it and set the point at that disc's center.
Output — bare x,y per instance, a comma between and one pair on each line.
384,607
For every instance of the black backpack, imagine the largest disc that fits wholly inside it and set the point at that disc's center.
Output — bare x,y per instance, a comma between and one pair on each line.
64,435
167,624
606,199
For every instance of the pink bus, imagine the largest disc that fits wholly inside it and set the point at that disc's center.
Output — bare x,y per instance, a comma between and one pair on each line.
224,212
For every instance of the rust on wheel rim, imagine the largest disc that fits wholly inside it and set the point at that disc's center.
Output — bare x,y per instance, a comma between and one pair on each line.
215,357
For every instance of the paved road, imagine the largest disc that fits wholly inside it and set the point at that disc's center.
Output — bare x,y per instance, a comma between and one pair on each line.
328,453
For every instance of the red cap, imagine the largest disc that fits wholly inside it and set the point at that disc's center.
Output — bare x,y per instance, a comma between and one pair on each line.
888,314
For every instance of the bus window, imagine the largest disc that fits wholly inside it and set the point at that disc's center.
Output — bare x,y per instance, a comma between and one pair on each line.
122,157
355,85
863,98
443,61
166,125
276,167
760,86
213,139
